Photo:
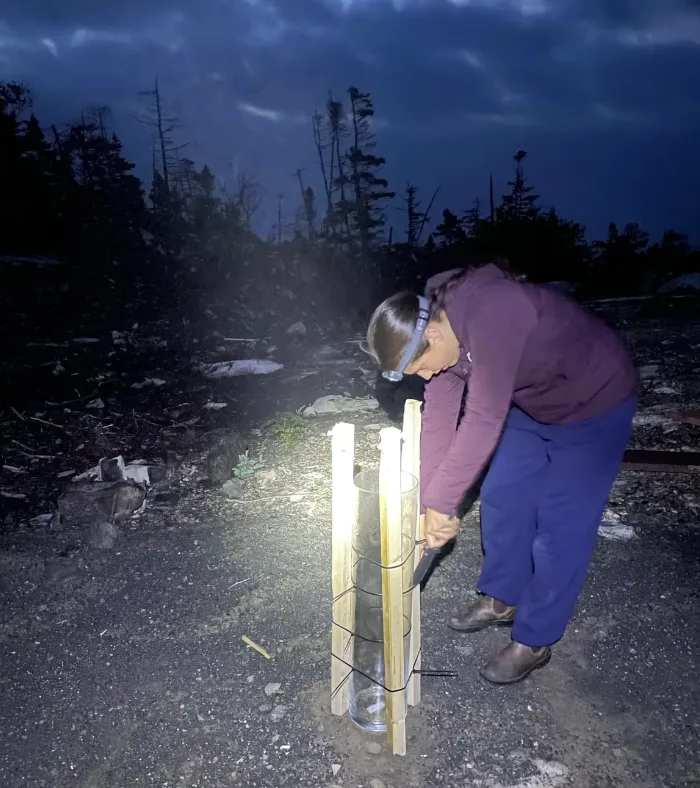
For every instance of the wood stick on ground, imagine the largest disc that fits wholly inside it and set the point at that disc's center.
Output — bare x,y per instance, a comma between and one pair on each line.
655,461
688,417
392,586
410,463
343,508
47,423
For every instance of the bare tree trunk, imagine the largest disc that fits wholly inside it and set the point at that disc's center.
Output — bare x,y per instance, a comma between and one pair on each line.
426,215
161,137
316,121
307,203
163,126
280,198
491,202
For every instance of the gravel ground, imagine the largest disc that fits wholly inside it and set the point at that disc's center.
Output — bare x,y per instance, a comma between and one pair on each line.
126,666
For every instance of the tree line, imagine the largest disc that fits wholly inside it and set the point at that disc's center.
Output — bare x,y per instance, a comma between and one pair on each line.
71,192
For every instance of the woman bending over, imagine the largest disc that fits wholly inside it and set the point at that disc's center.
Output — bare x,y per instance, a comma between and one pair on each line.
550,398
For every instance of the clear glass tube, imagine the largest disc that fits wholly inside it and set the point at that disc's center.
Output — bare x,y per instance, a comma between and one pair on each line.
367,706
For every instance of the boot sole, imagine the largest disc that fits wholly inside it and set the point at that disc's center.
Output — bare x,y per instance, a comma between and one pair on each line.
479,627
522,677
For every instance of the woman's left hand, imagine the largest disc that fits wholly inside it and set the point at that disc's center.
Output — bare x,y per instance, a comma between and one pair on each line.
440,528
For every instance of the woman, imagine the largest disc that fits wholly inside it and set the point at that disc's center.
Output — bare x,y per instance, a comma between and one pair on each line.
550,398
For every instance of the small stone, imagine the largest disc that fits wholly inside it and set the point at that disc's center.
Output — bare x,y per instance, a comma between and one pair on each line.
336,768
618,753
376,783
297,330
374,748
272,689
265,709
233,489
56,571
278,713
103,535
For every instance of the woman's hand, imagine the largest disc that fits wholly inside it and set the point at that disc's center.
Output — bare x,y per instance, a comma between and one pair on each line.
440,528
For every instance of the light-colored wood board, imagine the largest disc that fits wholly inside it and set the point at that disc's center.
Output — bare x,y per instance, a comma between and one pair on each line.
410,463
343,511
392,586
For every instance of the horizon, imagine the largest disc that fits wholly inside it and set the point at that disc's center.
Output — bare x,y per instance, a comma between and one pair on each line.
599,96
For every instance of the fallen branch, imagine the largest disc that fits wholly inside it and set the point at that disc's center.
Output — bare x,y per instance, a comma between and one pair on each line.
268,498
9,494
13,469
48,423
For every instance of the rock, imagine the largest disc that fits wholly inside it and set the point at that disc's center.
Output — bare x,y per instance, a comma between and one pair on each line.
376,783
87,502
278,713
297,329
648,371
374,748
272,689
617,532
163,499
266,477
56,571
336,767
223,457
233,489
102,535
265,709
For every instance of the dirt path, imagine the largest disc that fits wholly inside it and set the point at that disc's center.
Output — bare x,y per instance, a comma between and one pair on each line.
126,666
133,672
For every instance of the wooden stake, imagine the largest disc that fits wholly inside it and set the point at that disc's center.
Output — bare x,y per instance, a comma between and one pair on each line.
343,507
410,463
392,586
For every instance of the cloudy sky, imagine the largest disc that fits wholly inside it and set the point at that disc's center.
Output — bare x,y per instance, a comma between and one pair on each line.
603,94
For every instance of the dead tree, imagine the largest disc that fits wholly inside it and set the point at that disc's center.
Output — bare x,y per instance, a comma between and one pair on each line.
164,127
308,202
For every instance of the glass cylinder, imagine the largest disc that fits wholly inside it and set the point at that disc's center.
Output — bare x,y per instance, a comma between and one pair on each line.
367,703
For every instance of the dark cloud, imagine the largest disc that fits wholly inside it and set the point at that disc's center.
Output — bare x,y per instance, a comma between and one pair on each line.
588,87
48,15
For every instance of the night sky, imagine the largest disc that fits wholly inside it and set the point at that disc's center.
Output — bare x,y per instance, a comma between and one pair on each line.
603,94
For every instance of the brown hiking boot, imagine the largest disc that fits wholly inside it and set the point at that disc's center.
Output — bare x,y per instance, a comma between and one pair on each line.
515,663
485,612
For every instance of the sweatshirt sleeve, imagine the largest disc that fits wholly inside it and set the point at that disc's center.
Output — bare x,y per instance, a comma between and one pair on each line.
497,332
442,404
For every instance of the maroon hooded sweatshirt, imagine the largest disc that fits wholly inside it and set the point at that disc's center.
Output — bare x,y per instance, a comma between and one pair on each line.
521,344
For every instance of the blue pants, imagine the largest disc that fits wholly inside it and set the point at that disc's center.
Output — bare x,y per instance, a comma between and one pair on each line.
541,503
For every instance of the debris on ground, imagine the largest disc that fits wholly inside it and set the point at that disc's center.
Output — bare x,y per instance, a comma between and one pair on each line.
232,369
617,531
297,329
85,502
126,550
336,404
